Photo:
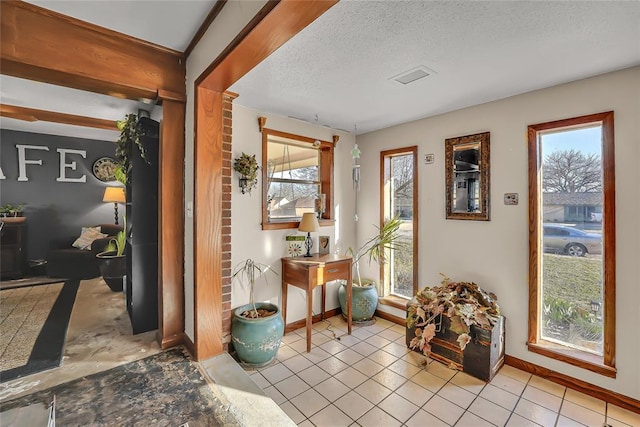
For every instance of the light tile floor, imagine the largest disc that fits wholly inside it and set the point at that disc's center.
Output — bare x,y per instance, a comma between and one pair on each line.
371,379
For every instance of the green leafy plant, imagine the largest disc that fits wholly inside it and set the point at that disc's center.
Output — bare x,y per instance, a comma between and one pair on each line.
250,271
118,243
562,312
247,166
120,175
130,134
464,303
9,210
375,248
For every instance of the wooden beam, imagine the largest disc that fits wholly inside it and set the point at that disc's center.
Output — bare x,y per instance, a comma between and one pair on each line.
34,115
208,225
39,44
283,20
171,230
275,24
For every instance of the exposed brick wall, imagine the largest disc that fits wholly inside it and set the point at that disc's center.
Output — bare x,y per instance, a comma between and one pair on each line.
227,112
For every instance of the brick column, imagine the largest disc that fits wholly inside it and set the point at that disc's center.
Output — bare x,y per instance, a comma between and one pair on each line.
227,112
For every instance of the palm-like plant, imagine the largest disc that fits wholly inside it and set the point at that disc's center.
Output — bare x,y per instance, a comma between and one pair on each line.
250,271
377,246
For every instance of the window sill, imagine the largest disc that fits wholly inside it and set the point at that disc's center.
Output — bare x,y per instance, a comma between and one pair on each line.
394,301
578,358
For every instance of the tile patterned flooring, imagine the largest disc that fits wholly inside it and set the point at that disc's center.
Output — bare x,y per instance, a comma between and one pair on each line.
371,379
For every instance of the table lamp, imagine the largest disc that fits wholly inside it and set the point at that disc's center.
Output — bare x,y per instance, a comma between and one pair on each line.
114,195
309,223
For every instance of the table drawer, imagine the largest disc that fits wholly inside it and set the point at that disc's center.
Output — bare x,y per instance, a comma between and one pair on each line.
336,271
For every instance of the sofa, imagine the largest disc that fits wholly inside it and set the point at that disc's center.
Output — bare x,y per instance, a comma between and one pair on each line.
69,262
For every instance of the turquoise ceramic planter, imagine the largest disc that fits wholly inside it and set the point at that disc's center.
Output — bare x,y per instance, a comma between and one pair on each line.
256,341
364,301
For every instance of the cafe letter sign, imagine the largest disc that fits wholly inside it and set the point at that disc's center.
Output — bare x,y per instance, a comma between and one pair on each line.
66,163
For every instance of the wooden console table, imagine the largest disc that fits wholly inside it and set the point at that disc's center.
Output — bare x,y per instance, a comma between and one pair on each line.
307,273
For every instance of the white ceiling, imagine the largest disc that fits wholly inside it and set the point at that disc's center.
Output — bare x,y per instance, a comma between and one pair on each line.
336,72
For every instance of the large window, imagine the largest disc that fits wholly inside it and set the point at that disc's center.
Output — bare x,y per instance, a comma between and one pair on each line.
399,198
572,241
297,177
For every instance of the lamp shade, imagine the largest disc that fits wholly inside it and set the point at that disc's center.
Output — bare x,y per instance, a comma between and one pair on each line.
309,222
114,195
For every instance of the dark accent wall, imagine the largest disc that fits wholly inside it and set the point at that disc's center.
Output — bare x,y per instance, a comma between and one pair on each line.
55,211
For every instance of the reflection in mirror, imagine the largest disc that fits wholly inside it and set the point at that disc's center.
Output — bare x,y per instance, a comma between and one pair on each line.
297,177
292,178
467,177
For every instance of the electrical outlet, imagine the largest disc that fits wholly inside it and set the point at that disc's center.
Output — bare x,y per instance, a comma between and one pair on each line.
510,198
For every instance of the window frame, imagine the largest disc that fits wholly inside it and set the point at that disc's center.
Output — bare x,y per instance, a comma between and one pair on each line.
326,151
394,299
605,364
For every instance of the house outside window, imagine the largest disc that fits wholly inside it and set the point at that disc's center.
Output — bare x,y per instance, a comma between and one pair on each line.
572,242
399,198
297,177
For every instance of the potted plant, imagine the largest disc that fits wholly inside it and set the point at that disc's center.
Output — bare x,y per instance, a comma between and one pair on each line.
113,266
257,327
247,166
12,213
364,299
465,304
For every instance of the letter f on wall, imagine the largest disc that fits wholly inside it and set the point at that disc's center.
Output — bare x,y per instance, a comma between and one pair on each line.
23,162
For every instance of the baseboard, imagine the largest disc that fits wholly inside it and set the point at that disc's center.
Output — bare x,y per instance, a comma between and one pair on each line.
171,341
186,341
575,384
390,317
315,319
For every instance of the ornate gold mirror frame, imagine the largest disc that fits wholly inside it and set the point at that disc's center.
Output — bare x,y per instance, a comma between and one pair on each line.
467,177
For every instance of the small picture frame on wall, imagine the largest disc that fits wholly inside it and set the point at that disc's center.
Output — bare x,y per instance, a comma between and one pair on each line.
324,245
295,245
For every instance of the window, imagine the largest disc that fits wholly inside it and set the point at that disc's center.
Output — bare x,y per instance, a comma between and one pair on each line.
297,177
572,241
399,197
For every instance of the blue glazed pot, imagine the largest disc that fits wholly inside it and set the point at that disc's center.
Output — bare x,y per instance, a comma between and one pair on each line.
364,300
256,341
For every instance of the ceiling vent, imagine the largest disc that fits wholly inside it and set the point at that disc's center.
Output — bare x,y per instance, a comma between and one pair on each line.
412,75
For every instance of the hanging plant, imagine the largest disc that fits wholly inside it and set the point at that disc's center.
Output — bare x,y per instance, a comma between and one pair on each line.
247,166
130,133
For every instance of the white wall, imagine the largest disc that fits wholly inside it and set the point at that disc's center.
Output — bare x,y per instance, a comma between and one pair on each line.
494,254
248,240
233,17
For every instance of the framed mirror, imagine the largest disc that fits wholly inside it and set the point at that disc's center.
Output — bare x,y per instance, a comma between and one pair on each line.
297,177
467,177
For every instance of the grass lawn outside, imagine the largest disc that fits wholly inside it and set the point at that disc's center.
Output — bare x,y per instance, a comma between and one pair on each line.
569,285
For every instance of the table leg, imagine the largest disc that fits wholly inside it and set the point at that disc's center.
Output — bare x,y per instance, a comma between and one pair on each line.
309,317
324,298
284,303
349,301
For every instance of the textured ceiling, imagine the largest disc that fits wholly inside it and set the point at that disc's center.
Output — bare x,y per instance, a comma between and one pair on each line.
337,71
339,67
